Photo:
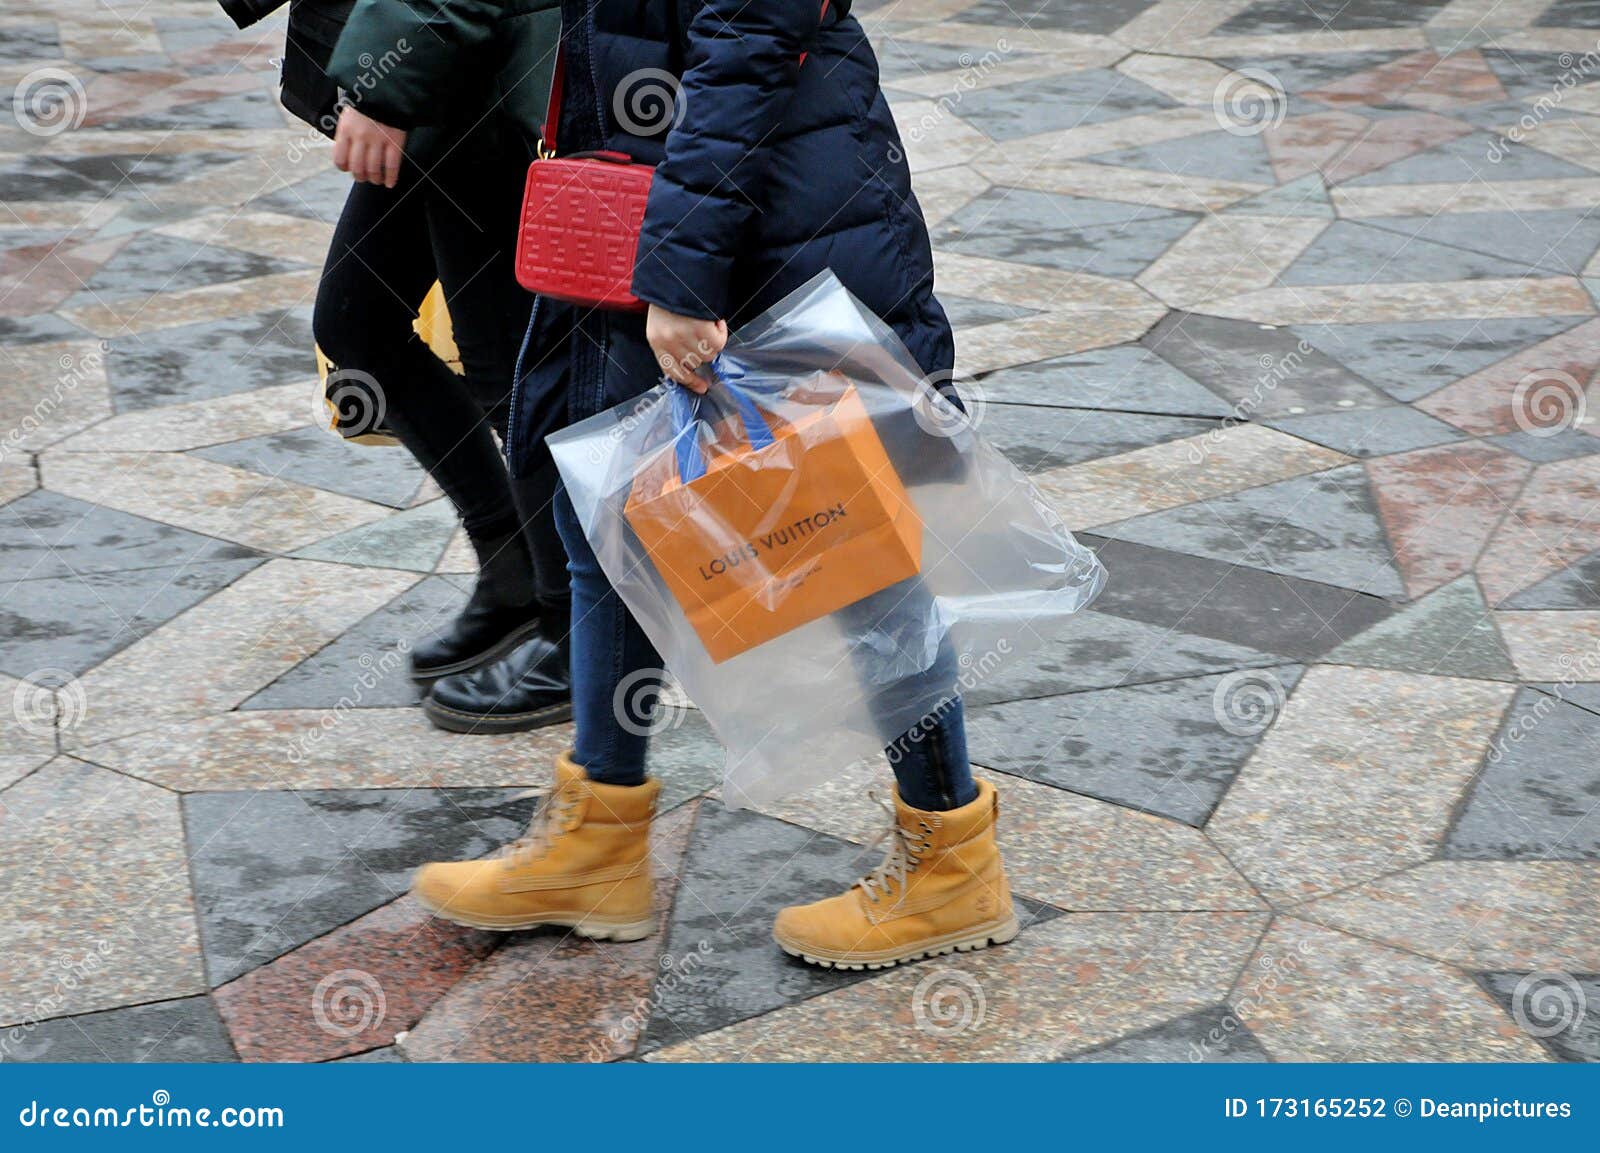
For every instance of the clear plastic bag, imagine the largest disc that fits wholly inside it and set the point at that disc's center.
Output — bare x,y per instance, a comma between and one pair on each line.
822,549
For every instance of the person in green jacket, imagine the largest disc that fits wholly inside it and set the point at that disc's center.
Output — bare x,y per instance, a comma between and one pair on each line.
437,119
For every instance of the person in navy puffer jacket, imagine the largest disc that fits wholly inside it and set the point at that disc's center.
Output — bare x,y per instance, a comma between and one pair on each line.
779,158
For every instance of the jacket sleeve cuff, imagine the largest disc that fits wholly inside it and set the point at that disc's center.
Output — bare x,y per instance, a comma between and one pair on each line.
244,13
698,289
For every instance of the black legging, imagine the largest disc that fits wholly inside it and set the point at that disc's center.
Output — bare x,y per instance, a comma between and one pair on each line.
456,223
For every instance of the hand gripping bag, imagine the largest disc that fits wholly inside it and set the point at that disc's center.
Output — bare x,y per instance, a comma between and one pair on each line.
822,548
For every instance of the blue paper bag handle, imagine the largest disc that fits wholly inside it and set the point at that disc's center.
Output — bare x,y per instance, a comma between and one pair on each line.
686,412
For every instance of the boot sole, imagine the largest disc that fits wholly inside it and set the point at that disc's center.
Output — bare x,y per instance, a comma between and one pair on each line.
584,926
966,941
487,657
455,721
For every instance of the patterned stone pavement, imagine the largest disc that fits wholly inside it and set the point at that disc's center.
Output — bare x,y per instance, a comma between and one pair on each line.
1288,306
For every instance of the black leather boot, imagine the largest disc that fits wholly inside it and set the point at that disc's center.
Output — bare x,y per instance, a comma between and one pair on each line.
527,689
502,612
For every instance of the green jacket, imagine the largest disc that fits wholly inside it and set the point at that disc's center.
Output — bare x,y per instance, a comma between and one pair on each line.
441,65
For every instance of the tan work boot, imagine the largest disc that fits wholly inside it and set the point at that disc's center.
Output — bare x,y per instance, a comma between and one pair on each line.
584,863
941,887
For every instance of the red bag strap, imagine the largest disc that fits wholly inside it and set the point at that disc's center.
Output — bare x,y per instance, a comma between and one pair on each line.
552,114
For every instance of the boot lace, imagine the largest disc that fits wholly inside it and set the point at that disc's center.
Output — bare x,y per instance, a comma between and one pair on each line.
900,860
548,823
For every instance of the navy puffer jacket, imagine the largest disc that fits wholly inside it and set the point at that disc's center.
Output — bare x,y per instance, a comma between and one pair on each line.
775,170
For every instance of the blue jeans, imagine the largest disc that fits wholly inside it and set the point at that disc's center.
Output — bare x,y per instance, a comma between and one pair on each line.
616,672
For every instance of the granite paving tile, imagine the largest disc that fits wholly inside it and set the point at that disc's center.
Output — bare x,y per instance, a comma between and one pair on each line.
1539,387
1062,987
1576,587
326,749
1558,1008
1359,776
320,459
1339,15
1264,371
1219,155
1305,196
283,291
1127,378
1012,111
275,234
273,870
1466,160
740,869
1334,997
1072,233
1036,438
385,1055
1057,333
1177,473
368,666
1561,241
50,391
1380,200
184,1030
1478,914
1570,14
352,990
92,930
1225,255
1103,18
1102,651
1323,527
75,622
1368,303
968,312
1196,597
1553,646
27,738
1369,432
1550,527
196,424
1410,360
551,995
1352,252
264,512
415,540
320,196
1583,694
1440,506
1450,632
222,651
1546,446
1213,1034
1538,795
1569,143
1072,851
1058,170
1169,747
16,479
151,263
1304,145
1187,80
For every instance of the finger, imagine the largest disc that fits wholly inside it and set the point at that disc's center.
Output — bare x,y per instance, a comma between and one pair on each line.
341,149
391,165
370,164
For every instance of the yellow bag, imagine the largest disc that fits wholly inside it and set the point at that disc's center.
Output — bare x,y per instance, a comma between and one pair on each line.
794,523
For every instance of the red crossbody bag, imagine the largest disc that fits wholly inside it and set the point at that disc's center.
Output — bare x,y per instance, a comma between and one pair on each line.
581,216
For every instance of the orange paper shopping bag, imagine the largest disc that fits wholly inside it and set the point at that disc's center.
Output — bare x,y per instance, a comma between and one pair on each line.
788,524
